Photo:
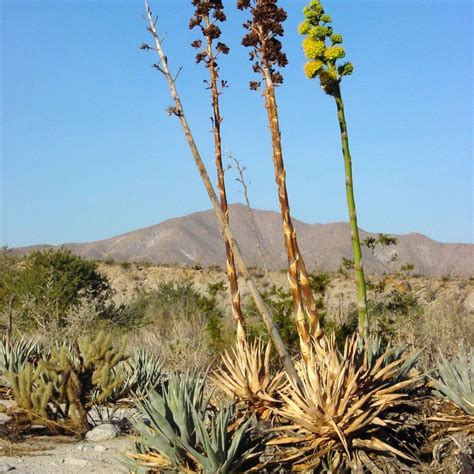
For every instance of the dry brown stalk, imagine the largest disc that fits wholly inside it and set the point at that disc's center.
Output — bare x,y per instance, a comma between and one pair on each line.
224,225
209,55
263,30
288,229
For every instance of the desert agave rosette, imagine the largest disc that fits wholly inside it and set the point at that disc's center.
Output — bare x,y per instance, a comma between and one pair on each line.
186,434
15,355
245,375
341,404
455,384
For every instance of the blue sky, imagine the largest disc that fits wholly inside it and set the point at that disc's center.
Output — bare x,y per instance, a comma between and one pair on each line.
89,152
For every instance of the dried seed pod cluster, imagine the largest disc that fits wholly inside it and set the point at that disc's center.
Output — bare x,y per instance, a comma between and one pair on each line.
207,15
264,28
323,48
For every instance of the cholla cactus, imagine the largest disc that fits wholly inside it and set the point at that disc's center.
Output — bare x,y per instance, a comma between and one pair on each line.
323,48
62,388
32,391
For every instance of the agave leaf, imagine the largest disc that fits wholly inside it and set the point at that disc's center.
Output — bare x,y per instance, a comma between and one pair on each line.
341,396
378,445
456,381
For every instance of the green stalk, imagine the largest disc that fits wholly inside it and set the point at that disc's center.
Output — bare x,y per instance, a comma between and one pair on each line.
356,247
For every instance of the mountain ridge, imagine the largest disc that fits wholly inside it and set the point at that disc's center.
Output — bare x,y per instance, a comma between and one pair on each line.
195,239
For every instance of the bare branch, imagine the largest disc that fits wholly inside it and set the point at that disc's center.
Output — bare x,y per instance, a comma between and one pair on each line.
241,179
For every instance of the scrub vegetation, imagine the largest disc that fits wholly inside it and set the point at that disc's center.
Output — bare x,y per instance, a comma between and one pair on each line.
244,374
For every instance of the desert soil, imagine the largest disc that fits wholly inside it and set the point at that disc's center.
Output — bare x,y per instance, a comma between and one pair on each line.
54,455
130,280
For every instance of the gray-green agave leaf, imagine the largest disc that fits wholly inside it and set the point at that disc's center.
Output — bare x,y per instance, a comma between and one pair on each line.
222,452
455,381
180,429
14,356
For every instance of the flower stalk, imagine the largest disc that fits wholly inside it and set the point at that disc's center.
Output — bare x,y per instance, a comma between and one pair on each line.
206,17
264,28
322,63
178,110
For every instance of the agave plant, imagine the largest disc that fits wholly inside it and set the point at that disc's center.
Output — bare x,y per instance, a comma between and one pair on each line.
245,375
14,356
185,434
143,372
341,403
455,382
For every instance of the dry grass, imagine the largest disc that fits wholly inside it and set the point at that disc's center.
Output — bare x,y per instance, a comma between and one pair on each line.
182,344
442,326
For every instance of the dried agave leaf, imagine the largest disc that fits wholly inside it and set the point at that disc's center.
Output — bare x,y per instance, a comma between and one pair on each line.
341,400
245,375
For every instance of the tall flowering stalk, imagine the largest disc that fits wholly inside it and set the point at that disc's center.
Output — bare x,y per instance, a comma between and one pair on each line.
263,30
207,15
323,49
178,110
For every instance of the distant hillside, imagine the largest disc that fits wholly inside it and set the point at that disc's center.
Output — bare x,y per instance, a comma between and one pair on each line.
195,240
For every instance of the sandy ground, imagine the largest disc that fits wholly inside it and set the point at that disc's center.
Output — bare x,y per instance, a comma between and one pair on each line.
54,455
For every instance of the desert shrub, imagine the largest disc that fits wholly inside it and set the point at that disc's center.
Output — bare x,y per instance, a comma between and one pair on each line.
185,328
341,331
280,303
214,268
389,312
442,327
8,275
84,318
46,286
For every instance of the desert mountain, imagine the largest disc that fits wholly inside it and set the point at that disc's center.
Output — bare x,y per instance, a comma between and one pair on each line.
195,240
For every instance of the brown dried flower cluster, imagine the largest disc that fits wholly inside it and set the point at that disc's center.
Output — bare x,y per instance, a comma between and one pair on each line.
207,15
264,28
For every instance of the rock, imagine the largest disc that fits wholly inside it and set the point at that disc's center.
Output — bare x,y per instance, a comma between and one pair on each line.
6,468
103,432
76,462
82,447
4,419
100,448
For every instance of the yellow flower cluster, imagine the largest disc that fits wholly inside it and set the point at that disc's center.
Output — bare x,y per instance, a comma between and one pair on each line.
334,52
311,68
322,57
313,49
